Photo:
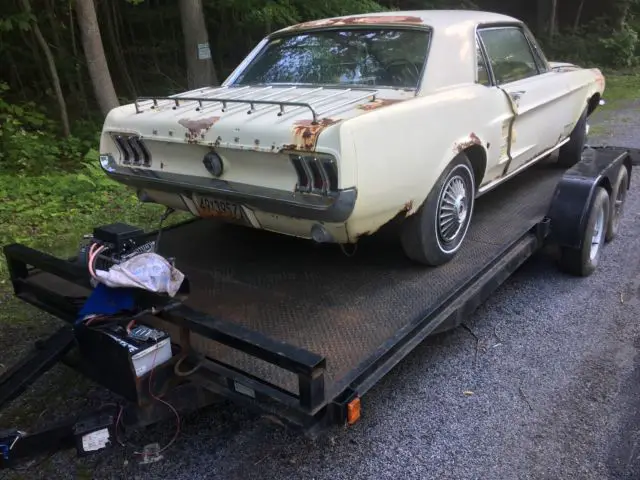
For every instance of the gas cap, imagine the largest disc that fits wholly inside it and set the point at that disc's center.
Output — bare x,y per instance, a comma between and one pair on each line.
213,163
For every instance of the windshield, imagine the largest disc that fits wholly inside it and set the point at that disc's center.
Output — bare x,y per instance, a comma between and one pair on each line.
381,57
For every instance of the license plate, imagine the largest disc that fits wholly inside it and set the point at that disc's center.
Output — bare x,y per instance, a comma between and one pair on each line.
214,208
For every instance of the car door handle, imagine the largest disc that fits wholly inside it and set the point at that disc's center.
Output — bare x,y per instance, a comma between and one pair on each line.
515,96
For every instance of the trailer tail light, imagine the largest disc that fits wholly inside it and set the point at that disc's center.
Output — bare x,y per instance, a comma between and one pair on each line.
316,174
132,149
353,411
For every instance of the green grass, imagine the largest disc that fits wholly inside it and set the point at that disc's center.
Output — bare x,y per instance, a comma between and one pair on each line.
619,88
53,212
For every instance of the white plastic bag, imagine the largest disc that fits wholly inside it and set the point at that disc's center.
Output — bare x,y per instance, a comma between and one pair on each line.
148,271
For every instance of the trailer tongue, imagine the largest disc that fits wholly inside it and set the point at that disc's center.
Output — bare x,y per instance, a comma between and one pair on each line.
298,331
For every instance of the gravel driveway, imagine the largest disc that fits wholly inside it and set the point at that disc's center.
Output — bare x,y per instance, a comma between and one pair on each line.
555,378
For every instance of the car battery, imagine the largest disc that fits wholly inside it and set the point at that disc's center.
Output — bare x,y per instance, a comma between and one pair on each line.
119,357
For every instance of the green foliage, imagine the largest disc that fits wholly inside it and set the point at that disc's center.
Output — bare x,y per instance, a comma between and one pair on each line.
20,20
335,8
620,48
30,140
620,88
596,45
54,211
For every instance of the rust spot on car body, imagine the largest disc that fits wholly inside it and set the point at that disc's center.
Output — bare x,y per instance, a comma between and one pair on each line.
306,132
379,103
408,206
197,127
462,146
360,20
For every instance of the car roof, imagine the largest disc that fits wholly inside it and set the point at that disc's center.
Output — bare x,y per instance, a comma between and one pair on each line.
436,19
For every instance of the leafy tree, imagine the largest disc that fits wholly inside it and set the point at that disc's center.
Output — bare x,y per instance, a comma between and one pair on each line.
55,79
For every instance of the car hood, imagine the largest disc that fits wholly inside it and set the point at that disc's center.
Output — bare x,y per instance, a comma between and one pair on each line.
271,118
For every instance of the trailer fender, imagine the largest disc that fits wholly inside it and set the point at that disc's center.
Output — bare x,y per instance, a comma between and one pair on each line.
569,209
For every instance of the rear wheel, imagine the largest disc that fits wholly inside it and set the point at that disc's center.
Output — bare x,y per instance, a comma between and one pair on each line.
618,197
583,262
571,152
434,234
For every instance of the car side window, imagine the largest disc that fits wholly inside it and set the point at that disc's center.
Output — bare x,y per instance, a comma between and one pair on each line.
482,71
509,53
541,60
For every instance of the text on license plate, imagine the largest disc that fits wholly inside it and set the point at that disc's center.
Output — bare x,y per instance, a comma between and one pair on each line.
211,207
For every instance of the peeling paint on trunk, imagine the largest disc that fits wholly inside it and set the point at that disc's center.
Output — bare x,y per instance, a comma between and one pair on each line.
379,103
197,127
306,132
360,20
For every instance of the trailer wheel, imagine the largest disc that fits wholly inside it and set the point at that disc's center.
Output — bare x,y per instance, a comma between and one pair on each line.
434,234
582,262
571,152
618,197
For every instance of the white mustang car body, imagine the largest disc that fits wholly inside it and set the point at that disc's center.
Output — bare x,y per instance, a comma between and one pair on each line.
332,128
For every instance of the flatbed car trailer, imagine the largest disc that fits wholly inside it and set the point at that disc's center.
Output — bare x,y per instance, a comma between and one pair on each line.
296,330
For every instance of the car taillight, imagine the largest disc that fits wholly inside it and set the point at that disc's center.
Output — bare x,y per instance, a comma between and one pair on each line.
132,149
317,174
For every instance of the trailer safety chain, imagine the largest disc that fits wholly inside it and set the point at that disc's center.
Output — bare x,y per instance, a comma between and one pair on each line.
346,252
176,367
164,216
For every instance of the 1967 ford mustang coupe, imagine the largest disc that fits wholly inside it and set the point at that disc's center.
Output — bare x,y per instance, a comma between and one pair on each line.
330,129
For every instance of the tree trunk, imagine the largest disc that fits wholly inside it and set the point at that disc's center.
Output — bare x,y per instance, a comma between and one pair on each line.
200,69
55,24
76,60
547,18
576,23
553,23
121,63
55,79
94,53
541,18
621,8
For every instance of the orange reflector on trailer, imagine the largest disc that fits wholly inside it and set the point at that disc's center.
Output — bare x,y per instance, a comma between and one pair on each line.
353,411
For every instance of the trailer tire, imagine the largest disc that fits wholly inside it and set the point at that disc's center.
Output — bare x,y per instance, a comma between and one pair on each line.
571,152
618,197
583,262
428,236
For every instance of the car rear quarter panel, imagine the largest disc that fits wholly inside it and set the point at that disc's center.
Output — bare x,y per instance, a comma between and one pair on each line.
582,85
402,149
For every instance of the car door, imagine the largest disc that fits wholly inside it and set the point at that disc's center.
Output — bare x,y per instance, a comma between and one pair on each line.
497,113
531,91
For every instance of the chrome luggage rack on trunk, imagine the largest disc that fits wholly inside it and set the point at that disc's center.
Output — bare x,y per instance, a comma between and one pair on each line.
332,101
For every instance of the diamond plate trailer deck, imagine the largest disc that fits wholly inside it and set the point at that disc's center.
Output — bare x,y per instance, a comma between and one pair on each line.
303,331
